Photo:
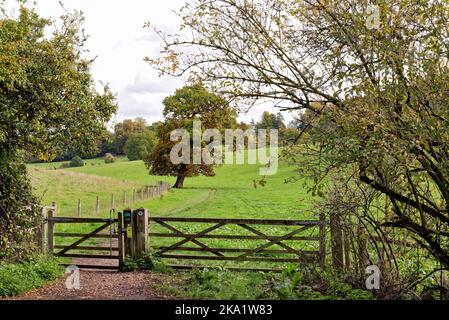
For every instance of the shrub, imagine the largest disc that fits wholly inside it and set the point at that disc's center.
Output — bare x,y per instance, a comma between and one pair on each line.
76,162
19,213
65,165
109,158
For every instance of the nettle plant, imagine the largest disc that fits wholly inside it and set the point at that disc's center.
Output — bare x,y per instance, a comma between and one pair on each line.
377,93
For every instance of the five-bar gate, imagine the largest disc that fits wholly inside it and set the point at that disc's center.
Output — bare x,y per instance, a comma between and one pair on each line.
213,239
281,247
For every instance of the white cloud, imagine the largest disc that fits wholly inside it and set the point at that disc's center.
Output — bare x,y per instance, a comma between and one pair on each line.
143,97
149,107
120,42
143,85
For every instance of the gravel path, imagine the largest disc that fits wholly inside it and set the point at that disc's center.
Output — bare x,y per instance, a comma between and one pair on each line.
104,285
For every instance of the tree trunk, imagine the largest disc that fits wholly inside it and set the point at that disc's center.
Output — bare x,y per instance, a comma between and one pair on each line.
180,181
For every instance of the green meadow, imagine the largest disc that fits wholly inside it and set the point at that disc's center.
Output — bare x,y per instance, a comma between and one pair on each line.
234,192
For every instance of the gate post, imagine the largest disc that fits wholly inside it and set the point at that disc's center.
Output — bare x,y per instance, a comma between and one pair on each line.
322,249
121,245
41,234
141,231
51,229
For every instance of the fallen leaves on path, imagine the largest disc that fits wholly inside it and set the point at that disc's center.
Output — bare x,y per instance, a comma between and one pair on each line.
104,285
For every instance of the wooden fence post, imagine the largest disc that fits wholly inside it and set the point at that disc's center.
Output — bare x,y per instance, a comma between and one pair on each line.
141,231
97,205
41,234
322,250
79,208
112,202
121,244
51,229
55,206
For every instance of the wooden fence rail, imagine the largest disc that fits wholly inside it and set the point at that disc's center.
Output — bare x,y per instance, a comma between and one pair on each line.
183,239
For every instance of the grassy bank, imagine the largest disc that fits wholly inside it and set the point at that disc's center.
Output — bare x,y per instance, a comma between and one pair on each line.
17,278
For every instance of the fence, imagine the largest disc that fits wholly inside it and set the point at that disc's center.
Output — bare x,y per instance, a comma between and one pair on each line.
103,205
228,241
288,235
285,243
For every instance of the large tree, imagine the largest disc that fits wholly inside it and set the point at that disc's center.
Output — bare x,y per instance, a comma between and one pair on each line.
139,145
189,104
48,103
124,130
377,78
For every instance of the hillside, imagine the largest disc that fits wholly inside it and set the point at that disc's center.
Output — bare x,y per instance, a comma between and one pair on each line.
233,192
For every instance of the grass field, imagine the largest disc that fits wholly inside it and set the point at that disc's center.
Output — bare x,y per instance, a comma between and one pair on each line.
233,193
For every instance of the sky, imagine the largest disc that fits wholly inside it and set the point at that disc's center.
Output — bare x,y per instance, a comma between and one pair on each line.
120,42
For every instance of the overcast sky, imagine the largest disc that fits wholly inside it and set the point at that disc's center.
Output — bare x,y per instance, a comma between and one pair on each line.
120,42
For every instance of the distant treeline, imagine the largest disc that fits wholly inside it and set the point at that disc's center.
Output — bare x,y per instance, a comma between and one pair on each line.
135,138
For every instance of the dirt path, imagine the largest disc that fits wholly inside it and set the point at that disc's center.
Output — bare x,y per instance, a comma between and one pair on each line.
104,285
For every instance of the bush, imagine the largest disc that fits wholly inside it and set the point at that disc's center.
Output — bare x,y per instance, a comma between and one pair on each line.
109,158
17,278
19,214
65,165
76,162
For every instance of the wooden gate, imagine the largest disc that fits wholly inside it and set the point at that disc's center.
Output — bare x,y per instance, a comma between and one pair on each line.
106,229
230,241
288,232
